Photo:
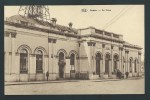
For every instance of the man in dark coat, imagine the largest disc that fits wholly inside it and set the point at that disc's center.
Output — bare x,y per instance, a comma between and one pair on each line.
47,75
127,73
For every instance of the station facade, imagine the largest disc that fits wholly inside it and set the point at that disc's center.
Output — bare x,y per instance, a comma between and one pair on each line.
32,48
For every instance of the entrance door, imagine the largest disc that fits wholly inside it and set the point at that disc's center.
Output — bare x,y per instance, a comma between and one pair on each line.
98,63
106,66
61,65
61,71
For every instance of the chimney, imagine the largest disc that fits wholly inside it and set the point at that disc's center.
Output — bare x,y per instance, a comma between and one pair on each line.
54,21
70,25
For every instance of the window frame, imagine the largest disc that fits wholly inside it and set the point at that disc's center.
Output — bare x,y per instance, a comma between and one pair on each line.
23,61
39,61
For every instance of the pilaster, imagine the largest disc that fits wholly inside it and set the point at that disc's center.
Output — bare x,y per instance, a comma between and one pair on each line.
120,60
110,67
17,63
52,64
103,62
112,60
127,61
32,69
90,49
6,52
13,37
139,62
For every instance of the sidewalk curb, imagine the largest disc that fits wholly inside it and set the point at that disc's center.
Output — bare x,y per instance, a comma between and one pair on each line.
64,81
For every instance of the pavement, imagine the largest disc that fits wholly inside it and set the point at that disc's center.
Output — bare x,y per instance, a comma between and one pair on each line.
64,81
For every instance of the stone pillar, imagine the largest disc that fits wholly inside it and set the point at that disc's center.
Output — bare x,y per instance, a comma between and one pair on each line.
55,67
50,56
32,69
90,44
10,62
103,62
118,64
6,65
6,52
133,71
120,59
112,60
122,62
139,62
52,59
13,67
93,57
137,65
46,62
110,67
17,65
67,67
101,66
78,58
127,61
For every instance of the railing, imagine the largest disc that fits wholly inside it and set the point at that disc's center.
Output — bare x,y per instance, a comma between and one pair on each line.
108,34
98,31
115,35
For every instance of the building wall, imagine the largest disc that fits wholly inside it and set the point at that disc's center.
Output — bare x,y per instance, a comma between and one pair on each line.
51,45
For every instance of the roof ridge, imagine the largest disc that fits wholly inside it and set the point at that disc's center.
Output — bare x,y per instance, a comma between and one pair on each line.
44,23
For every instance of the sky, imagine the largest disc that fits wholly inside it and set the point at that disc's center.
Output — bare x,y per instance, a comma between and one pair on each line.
127,20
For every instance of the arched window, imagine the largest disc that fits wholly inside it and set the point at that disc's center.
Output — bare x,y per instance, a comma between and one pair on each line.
61,56
39,62
130,68
72,59
135,69
23,61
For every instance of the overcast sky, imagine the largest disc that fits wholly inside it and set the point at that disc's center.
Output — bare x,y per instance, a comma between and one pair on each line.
127,20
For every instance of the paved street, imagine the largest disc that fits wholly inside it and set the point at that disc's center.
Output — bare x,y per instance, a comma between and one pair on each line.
133,86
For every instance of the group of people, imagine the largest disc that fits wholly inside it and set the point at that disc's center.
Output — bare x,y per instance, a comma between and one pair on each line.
120,75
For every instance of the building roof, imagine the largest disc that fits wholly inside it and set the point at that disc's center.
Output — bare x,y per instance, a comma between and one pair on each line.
131,45
43,23
60,28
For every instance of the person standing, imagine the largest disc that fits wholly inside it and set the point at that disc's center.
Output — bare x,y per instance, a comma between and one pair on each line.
47,75
127,73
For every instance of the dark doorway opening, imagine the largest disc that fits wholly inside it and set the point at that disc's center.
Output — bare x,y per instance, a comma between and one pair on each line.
107,59
61,65
98,57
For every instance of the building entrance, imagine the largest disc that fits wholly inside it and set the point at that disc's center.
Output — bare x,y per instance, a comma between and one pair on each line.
61,64
107,59
98,57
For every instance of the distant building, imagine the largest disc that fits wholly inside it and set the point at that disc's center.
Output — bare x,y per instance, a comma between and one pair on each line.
33,47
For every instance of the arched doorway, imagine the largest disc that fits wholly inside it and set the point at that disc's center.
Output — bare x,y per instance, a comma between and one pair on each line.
98,58
116,58
107,59
61,65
